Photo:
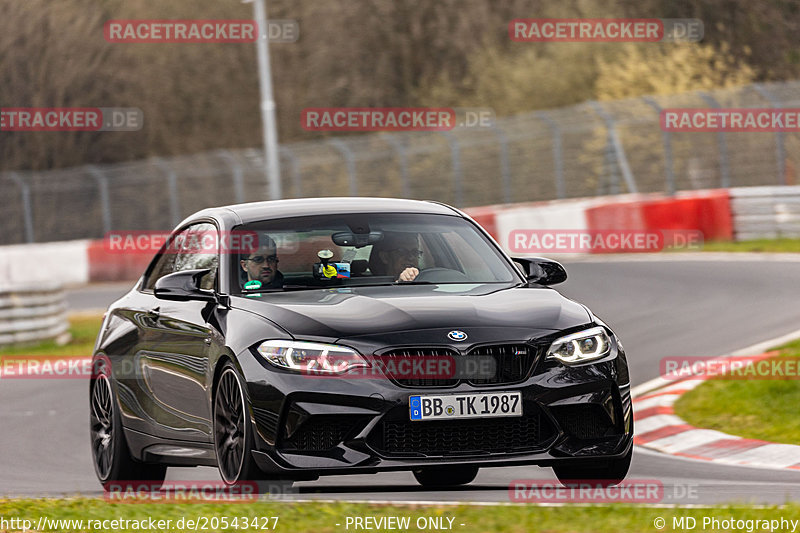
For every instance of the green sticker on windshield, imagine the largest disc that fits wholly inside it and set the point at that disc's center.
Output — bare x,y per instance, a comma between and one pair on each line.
254,284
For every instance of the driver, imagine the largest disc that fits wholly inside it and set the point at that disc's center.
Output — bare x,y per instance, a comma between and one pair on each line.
261,264
397,255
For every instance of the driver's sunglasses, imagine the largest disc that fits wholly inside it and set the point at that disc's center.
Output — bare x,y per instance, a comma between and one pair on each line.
260,259
411,252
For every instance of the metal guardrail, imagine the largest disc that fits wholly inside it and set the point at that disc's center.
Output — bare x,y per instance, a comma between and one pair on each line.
591,149
32,313
765,212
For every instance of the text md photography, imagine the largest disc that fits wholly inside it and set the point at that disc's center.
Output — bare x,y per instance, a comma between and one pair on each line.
336,266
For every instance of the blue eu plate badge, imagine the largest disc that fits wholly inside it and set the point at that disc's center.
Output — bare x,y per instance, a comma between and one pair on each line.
416,407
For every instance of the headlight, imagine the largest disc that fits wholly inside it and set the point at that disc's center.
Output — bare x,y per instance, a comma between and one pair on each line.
582,346
311,357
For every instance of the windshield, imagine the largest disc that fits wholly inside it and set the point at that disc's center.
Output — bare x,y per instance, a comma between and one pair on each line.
366,249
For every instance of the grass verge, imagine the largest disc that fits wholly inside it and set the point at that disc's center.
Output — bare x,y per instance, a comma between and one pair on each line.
324,517
758,245
757,409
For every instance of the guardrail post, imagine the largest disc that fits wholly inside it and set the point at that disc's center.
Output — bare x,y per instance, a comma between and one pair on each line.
455,156
295,166
350,163
172,189
27,212
102,186
558,155
237,174
402,161
667,138
616,143
780,146
505,169
722,143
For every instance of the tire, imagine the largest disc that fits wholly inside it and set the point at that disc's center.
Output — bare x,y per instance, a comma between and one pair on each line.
447,476
233,431
610,474
112,459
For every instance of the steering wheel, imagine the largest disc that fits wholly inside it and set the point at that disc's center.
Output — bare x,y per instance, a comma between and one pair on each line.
439,275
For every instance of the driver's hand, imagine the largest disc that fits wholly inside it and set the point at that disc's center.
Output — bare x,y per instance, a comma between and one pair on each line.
408,274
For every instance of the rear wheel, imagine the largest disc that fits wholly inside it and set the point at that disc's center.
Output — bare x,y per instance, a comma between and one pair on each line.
612,473
233,433
113,463
446,476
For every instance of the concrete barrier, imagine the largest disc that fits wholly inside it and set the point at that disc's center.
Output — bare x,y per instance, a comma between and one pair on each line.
105,265
720,214
63,263
708,212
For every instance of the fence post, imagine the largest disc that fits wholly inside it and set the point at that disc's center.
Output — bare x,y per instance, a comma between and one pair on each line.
558,154
722,143
455,155
402,160
505,169
619,150
350,163
27,213
780,146
295,165
102,186
172,188
238,175
667,138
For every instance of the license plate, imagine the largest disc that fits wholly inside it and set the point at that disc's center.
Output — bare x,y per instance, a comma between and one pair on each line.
480,405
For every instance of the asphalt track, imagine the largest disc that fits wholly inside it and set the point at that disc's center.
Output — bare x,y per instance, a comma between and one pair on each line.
664,307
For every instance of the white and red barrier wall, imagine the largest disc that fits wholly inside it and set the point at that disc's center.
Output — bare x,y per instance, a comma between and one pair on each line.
719,214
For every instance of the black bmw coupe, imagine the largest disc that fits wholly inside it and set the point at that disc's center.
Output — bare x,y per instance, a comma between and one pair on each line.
299,338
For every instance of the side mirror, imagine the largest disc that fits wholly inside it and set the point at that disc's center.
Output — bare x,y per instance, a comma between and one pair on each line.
183,286
541,270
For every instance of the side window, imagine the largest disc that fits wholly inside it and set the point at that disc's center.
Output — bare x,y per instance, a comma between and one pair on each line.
194,247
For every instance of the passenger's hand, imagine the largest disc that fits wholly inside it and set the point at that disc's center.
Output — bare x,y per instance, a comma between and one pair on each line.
408,274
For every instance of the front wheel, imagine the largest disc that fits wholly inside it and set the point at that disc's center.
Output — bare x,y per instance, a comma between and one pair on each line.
233,432
612,473
445,476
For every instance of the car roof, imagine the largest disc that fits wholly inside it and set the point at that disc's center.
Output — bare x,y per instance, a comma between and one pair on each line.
255,211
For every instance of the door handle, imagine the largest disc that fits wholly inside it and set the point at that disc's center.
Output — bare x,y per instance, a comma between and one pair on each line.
154,313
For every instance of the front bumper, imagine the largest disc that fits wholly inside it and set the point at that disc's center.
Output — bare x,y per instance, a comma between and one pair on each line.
310,426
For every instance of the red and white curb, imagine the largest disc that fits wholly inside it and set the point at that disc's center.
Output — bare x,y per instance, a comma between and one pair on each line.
658,428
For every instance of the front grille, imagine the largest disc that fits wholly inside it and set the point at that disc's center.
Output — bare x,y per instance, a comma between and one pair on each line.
513,363
395,435
587,421
398,355
320,433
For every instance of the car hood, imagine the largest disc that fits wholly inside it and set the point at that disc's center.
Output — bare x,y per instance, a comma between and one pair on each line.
484,311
